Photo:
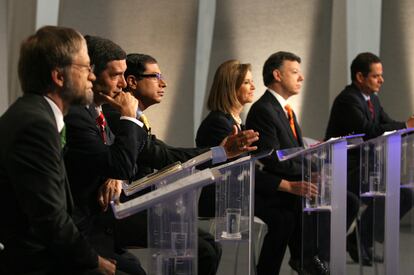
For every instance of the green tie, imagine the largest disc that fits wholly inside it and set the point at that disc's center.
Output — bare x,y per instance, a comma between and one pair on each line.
63,136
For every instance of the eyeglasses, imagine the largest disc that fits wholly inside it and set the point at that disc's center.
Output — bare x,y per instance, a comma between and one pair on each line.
90,68
155,76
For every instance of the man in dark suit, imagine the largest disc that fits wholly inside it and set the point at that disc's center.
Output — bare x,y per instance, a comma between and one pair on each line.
146,83
37,230
280,206
357,109
94,158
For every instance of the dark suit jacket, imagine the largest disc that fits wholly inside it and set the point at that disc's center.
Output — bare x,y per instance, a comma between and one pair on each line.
350,114
213,129
90,162
267,117
155,154
36,229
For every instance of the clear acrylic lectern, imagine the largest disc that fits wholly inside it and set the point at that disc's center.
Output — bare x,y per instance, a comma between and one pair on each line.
172,212
384,165
324,165
235,202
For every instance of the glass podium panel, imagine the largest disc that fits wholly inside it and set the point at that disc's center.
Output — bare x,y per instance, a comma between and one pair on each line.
406,248
323,219
172,212
172,232
317,170
172,224
373,172
384,183
172,236
235,203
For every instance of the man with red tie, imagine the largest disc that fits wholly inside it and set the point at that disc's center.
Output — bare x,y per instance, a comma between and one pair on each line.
278,204
94,156
357,110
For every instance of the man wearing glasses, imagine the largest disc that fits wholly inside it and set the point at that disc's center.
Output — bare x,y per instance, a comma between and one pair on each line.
38,231
147,84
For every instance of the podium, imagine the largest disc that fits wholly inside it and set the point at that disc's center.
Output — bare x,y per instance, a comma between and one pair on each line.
325,165
384,165
235,202
172,212
407,187
172,236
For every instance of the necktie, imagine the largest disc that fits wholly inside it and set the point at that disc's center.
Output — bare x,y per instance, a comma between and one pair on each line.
291,120
101,122
143,118
371,108
62,134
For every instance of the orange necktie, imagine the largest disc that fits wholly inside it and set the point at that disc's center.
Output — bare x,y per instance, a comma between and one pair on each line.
291,120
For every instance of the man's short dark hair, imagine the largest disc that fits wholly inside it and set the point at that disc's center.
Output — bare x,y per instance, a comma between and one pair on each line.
102,51
362,63
136,64
275,61
49,48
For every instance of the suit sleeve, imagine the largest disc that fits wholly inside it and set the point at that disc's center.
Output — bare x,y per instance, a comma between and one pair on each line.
388,123
40,182
156,154
350,113
271,132
212,132
86,148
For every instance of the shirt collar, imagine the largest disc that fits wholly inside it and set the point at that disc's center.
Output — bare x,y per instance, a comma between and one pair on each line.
94,109
366,97
139,113
283,102
57,113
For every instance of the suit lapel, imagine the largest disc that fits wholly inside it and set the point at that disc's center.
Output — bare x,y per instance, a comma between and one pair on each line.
364,104
298,131
281,115
69,199
110,137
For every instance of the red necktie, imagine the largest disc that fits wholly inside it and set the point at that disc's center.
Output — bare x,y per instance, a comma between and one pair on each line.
291,120
101,122
371,108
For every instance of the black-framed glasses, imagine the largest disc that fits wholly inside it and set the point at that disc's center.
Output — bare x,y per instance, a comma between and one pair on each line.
90,68
155,76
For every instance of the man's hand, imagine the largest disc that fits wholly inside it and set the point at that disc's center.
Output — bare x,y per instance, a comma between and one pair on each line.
110,190
125,103
300,188
410,122
106,266
239,143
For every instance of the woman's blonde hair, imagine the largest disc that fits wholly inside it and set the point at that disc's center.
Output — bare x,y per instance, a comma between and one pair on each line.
227,81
